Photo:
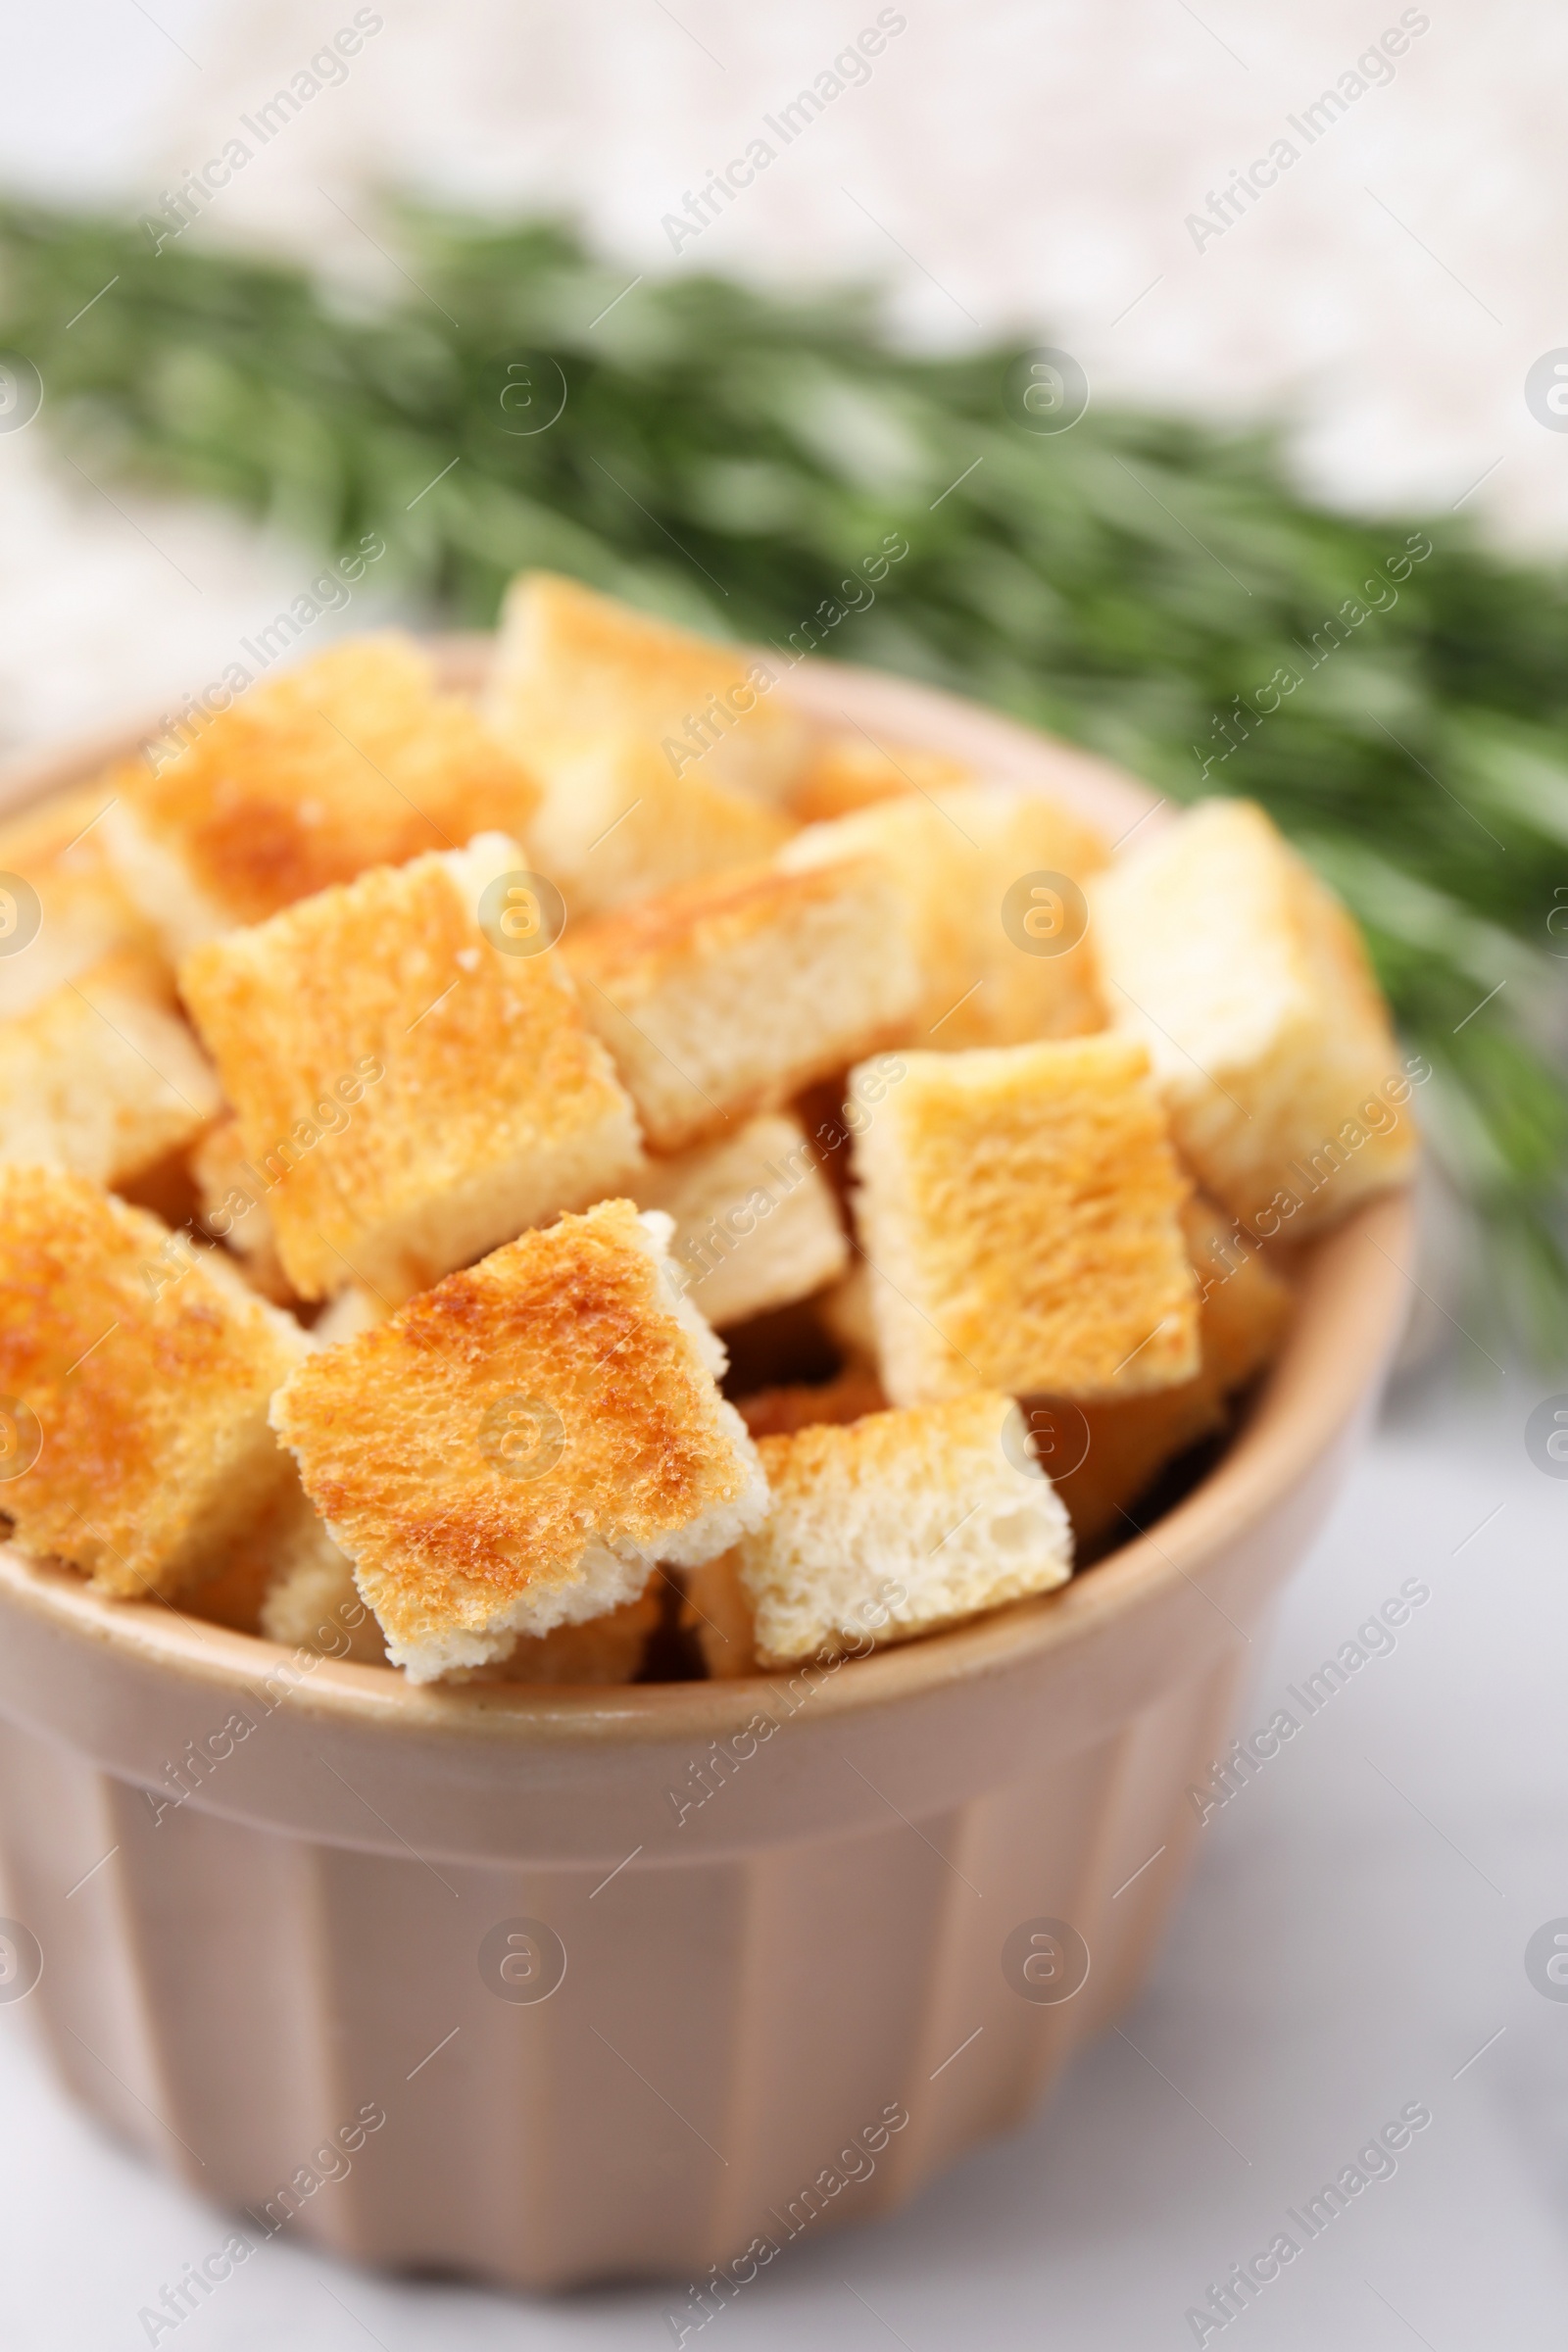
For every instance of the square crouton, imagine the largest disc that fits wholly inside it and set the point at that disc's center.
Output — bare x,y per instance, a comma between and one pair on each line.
1249,984
756,1222
897,1525
354,760
513,1449
409,1092
102,1075
572,668
1020,1207
1102,1456
725,996
63,907
845,772
994,877
138,1374
616,822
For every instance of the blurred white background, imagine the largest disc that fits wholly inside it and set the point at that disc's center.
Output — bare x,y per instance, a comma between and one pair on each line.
1358,1929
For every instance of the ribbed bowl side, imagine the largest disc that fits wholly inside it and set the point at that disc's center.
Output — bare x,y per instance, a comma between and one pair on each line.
758,2047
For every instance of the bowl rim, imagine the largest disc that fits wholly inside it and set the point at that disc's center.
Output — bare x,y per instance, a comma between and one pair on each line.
1346,1324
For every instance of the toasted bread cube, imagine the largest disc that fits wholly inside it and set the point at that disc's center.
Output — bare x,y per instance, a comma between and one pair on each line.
101,1075
513,1449
228,1198
616,822
1242,1311
1020,1207
63,907
717,1611
141,1370
755,1223
800,1404
1249,984
353,760
845,772
408,1094
572,668
897,1525
992,876
725,996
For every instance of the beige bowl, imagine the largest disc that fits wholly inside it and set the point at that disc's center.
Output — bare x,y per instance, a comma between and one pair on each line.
566,1985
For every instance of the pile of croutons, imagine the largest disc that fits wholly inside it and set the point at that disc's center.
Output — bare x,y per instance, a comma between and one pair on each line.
614,1180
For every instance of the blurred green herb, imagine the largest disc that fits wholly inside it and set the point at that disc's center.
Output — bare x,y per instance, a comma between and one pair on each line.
724,456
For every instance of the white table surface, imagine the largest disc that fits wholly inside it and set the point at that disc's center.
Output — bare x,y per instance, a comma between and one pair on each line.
1355,1934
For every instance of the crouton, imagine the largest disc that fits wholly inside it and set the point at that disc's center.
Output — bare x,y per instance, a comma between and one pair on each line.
221,1168
311,1601
800,1404
1247,983
993,877
845,772
725,996
573,669
1020,1209
715,1613
351,760
616,823
409,1094
897,1525
136,1373
513,1449
63,907
101,1076
756,1225
1102,1456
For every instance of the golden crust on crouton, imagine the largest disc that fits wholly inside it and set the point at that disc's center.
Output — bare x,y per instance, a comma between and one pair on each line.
727,996
1242,1311
354,760
514,1448
573,667
898,1524
144,1369
100,1076
1020,1209
616,822
408,1094
1250,986
991,876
